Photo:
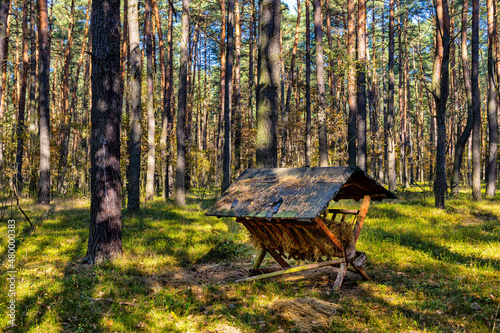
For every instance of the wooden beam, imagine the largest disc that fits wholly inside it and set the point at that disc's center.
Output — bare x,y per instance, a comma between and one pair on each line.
340,276
258,259
361,217
329,234
294,270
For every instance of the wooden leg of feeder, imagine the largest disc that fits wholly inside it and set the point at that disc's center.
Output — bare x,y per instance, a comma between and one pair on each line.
258,259
340,276
361,217
358,266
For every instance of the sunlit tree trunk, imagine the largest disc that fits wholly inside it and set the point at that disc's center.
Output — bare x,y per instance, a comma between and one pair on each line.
22,100
491,167
4,47
134,168
44,99
351,83
320,79
150,173
237,88
180,186
440,90
307,147
389,126
476,105
268,84
361,85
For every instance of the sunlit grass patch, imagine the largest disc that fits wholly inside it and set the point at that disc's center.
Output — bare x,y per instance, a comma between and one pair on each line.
434,271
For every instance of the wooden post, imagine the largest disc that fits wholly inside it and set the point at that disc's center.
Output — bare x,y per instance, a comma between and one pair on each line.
361,217
340,276
329,234
258,259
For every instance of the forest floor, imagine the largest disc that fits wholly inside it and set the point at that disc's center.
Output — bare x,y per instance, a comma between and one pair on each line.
434,270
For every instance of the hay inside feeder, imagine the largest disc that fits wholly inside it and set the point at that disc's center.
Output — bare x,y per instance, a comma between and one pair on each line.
342,230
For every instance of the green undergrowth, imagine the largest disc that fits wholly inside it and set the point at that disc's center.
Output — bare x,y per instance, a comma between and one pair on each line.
434,271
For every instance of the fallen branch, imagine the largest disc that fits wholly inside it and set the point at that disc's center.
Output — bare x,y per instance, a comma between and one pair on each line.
22,211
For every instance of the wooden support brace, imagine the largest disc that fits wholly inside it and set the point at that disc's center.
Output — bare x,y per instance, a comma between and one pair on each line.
358,266
294,270
361,217
259,258
329,234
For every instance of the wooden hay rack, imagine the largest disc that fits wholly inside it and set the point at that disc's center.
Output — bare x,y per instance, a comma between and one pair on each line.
286,213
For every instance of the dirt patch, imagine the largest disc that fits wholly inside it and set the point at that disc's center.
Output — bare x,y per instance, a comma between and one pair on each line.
307,314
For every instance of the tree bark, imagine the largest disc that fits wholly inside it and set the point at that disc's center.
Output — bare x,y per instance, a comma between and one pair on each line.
291,71
491,167
476,105
105,237
351,84
237,88
4,47
307,148
150,172
361,84
391,151
269,82
464,137
65,122
21,127
440,90
320,79
180,186
226,152
44,101
134,168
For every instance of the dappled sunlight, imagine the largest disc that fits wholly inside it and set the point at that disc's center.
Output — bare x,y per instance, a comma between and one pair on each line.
433,270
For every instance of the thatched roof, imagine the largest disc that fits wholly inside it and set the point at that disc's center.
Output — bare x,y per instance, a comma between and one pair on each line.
294,193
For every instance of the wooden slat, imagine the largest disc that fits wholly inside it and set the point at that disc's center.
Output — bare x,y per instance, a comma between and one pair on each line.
318,244
361,217
329,234
272,252
278,232
294,270
344,211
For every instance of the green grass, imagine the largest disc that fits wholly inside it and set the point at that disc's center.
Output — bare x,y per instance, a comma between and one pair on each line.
435,271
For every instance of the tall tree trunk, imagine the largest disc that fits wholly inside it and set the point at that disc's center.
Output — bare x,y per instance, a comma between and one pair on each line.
22,101
180,186
361,84
4,47
150,173
491,167
44,96
391,150
65,123
320,79
268,86
476,105
134,168
440,90
105,237
351,83
291,71
307,148
464,137
169,83
331,74
251,74
237,88
226,152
